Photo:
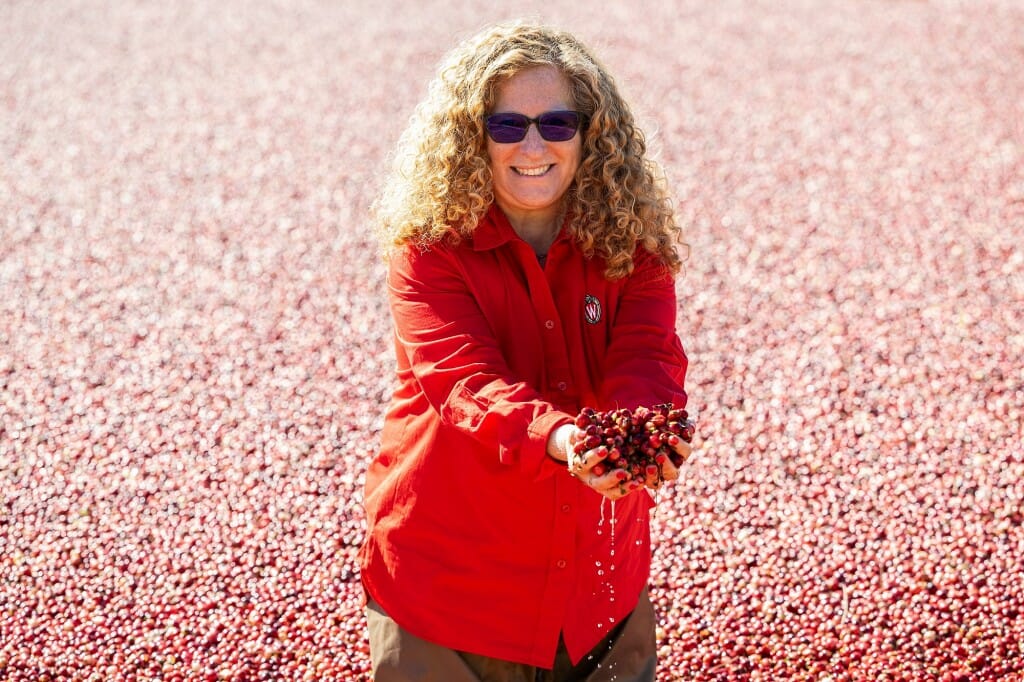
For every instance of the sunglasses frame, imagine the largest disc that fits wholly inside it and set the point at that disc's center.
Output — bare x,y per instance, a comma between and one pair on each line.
537,121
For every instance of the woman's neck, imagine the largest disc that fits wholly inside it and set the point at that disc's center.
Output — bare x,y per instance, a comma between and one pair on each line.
538,230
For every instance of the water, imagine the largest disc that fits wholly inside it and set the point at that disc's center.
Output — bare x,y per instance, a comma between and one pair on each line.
599,565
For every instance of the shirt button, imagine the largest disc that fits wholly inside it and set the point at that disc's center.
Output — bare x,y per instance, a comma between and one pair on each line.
562,385
566,508
550,324
561,563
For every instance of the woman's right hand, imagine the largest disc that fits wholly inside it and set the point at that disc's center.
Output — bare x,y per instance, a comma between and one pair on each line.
612,484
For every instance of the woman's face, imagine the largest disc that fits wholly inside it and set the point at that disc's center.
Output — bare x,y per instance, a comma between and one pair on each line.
532,176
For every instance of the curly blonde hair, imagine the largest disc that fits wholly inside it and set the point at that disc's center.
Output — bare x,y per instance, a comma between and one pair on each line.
441,185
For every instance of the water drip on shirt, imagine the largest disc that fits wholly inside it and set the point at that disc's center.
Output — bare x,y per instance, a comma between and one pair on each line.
611,566
612,527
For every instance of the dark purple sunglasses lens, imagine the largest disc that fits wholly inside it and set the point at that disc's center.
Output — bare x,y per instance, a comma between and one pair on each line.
558,126
506,128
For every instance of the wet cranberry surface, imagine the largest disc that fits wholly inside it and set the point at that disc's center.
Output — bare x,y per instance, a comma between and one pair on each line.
195,349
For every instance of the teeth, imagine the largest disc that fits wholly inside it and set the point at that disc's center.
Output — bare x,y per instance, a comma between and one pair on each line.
541,170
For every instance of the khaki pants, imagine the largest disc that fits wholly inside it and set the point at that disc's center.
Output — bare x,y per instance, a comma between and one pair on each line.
627,654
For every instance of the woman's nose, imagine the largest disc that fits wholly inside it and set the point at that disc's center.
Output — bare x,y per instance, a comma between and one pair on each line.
533,141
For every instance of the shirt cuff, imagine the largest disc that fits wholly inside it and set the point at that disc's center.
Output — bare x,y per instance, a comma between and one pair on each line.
534,454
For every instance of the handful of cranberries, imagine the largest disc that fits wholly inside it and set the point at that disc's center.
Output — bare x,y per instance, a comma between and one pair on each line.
638,441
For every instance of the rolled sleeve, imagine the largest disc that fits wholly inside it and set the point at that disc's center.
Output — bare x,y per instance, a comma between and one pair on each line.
458,364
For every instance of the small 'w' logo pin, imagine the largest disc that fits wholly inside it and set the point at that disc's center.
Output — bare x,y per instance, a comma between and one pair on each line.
591,309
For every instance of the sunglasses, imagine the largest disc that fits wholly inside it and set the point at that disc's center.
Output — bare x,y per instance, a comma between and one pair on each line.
553,126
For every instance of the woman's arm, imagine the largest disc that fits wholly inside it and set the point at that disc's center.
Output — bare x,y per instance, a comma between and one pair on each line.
645,363
457,361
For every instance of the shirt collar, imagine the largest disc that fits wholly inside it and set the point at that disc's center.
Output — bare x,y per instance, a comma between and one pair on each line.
493,230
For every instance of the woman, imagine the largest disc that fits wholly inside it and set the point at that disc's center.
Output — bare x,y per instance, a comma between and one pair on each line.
531,254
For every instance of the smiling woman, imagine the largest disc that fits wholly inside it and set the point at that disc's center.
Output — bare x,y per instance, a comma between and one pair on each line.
531,260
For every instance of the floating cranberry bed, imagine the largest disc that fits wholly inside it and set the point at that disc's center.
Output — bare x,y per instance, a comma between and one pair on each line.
195,348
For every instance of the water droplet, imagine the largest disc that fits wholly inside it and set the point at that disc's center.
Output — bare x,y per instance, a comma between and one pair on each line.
613,528
598,564
600,572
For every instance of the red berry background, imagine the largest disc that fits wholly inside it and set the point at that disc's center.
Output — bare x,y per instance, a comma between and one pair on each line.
195,351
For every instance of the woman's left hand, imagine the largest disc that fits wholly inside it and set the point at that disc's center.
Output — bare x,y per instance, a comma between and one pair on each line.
669,471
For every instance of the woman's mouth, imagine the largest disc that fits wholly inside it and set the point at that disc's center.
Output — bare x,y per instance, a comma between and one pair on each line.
532,171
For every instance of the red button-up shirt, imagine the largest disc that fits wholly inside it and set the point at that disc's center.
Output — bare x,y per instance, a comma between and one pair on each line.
476,539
